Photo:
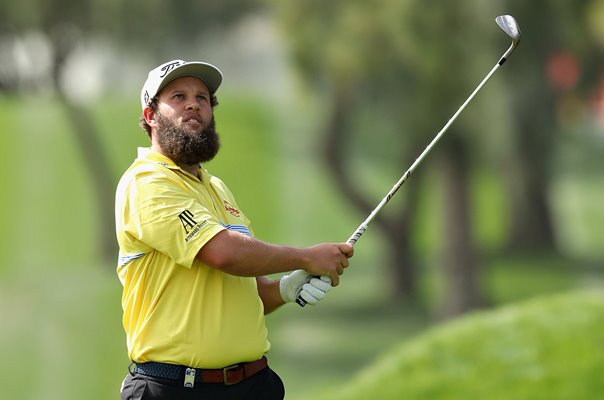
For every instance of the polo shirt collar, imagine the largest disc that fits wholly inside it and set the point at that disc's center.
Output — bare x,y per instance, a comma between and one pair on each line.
148,154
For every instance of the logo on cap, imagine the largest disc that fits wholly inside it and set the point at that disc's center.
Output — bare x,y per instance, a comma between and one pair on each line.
159,76
169,67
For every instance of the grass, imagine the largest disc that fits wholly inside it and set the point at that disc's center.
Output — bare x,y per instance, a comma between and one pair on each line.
10,153
61,335
59,319
60,305
546,348
333,342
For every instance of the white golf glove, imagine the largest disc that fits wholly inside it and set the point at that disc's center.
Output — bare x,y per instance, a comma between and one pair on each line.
310,288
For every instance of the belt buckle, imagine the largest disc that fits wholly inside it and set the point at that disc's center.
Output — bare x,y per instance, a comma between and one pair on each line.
225,374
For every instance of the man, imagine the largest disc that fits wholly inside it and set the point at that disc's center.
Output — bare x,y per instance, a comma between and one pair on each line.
195,286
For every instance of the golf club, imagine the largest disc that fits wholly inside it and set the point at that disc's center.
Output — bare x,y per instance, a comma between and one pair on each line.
509,25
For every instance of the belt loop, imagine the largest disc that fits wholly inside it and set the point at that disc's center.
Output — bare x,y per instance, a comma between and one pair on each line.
130,371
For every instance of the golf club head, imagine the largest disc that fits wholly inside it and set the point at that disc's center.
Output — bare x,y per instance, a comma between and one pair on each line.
509,25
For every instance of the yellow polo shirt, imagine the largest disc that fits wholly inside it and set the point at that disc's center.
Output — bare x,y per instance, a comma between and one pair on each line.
178,310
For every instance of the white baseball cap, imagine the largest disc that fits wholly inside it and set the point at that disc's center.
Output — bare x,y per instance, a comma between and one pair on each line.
159,77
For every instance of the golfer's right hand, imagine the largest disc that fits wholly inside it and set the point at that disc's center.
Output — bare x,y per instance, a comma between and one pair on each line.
329,259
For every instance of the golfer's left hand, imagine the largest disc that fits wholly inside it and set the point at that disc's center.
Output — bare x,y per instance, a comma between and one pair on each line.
311,289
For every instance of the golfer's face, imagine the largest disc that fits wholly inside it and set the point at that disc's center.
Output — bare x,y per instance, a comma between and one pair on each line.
186,102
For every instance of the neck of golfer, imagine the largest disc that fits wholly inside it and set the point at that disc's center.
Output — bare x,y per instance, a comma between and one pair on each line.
193,169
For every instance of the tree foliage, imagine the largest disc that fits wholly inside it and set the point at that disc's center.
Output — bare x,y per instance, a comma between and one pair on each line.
388,67
151,26
397,65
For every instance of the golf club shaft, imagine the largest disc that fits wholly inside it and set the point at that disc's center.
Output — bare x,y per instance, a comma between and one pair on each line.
363,226
509,25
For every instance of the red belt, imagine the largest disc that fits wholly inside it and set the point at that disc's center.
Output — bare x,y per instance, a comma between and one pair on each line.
228,376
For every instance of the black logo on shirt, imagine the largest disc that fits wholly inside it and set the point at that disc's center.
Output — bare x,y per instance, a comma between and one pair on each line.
187,221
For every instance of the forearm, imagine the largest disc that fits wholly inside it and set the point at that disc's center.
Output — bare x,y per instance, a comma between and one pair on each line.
241,255
269,293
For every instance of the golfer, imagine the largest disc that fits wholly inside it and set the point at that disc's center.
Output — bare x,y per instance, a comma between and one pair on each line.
195,287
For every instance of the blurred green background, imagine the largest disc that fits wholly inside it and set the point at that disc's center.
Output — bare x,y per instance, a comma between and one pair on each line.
483,277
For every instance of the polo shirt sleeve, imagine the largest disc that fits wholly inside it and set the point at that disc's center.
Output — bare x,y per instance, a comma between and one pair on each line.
166,216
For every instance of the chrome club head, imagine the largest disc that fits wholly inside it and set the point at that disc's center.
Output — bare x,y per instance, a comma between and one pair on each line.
509,25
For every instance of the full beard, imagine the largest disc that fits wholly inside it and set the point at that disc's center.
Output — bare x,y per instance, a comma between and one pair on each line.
185,147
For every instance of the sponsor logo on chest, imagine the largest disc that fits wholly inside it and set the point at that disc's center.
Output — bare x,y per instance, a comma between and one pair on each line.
231,210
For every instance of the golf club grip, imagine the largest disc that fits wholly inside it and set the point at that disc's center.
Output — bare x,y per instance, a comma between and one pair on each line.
357,234
351,241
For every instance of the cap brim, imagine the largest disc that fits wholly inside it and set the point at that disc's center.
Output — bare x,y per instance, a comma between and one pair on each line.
209,74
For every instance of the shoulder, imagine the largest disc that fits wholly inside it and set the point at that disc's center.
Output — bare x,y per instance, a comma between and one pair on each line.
146,176
148,170
214,181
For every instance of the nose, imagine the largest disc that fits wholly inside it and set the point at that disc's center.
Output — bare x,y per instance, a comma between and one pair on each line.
193,105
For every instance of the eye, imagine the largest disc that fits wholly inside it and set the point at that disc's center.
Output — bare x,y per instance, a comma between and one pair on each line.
178,96
202,98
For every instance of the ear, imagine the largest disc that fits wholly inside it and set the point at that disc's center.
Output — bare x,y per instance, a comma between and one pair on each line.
149,115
